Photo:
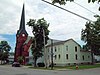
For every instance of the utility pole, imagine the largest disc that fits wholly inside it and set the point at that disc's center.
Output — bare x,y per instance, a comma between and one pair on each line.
45,56
51,53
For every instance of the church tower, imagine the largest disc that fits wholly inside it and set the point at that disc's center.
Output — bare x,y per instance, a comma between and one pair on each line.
21,37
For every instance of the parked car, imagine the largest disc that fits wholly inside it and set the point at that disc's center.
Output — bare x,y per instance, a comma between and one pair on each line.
16,64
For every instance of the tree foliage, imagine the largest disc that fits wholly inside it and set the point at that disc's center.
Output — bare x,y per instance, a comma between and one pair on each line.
4,50
40,32
91,35
63,2
20,59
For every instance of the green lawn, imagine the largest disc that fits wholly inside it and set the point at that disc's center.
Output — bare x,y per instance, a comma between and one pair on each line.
81,66
43,68
69,67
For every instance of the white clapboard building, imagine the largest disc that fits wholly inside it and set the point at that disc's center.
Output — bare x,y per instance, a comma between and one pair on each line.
67,52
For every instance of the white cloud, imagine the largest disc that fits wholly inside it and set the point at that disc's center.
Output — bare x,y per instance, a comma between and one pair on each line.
63,25
9,17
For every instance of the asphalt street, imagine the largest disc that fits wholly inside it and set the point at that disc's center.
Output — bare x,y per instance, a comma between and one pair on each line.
8,70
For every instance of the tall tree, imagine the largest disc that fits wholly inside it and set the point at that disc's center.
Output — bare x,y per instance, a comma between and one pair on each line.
40,32
86,36
4,51
91,35
97,35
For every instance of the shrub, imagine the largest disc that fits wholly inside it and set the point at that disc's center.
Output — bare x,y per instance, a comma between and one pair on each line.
29,64
40,64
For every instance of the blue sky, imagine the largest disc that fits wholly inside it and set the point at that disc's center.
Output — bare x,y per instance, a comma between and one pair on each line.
11,39
63,25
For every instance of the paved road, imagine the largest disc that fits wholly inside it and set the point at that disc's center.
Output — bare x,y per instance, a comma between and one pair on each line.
8,70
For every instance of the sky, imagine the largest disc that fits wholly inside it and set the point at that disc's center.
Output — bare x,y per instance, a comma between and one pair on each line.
63,25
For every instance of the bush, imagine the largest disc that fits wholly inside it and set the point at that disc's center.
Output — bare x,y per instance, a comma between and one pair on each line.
40,64
53,65
20,59
29,64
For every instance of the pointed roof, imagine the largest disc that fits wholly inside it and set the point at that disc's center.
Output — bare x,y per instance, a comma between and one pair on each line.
62,42
22,23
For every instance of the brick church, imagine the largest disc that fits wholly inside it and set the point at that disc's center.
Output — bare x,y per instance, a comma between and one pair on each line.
23,41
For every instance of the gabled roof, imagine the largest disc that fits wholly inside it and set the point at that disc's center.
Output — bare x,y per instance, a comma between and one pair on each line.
28,39
54,41
73,41
62,42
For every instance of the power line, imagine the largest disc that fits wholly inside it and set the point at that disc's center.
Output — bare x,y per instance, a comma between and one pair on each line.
85,8
68,11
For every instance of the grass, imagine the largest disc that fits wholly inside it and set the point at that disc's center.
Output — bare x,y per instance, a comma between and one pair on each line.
89,66
43,68
81,67
69,67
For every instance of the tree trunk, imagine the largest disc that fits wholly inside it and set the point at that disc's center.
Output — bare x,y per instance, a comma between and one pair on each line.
92,54
35,59
1,61
92,58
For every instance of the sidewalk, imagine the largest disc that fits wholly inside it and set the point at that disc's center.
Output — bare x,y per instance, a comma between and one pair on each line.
40,68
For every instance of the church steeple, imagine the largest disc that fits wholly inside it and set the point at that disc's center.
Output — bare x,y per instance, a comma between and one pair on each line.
22,40
22,23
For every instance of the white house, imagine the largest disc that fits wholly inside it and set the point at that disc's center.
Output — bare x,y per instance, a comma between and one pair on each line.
67,52
97,58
